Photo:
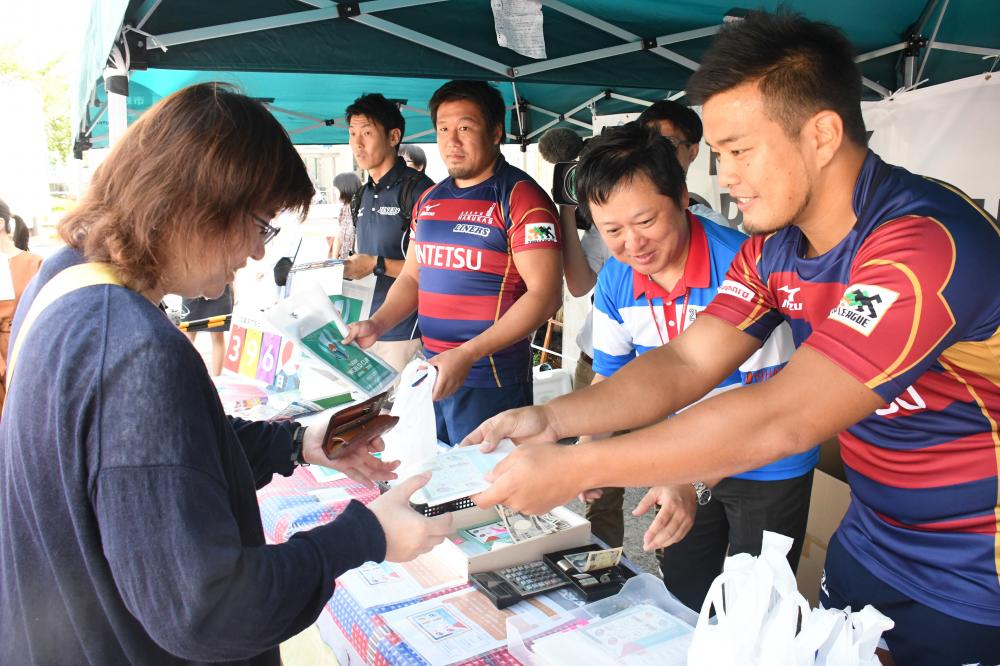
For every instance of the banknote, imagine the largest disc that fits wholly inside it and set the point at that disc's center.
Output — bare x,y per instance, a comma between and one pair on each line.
522,527
595,559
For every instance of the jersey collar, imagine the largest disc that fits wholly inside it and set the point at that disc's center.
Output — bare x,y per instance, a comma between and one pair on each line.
697,268
391,176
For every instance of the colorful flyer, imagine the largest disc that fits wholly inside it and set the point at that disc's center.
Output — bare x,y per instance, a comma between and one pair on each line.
310,318
439,623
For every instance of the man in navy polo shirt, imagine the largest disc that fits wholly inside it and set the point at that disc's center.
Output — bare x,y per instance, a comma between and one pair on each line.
383,217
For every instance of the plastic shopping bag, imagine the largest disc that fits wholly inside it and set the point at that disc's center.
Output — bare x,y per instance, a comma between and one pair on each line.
414,439
762,620
855,638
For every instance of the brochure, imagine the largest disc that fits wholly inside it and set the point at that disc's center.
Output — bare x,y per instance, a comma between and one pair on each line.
312,320
459,473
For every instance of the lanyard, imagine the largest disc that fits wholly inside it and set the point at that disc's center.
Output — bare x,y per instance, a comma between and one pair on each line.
666,319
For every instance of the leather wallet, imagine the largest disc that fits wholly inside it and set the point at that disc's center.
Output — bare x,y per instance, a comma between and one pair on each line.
359,424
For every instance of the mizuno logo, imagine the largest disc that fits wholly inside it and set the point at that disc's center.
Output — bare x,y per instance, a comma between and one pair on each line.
790,303
428,209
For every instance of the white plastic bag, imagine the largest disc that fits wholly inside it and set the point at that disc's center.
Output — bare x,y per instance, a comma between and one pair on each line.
413,441
854,639
746,619
762,620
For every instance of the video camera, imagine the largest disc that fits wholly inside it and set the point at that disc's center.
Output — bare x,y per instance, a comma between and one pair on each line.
561,147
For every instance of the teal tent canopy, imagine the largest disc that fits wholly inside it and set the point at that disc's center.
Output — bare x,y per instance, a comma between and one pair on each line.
308,59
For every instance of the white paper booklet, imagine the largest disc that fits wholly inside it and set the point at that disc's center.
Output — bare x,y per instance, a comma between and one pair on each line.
383,583
459,473
461,625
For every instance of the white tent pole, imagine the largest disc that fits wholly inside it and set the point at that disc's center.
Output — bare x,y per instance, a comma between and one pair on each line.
116,86
930,44
962,48
145,11
326,13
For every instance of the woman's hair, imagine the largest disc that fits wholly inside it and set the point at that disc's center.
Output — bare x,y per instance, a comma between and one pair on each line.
347,184
202,161
19,234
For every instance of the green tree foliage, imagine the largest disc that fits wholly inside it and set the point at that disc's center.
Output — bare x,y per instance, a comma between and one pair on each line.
55,98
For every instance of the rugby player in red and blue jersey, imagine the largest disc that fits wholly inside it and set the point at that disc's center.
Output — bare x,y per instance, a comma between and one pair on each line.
483,270
888,281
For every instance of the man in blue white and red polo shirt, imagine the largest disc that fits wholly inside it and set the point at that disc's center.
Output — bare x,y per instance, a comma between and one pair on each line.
889,283
483,270
667,264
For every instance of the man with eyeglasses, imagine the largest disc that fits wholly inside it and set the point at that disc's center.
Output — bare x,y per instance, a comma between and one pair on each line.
681,126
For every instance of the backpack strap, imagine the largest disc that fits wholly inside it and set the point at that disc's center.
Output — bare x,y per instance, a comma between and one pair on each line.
356,204
65,281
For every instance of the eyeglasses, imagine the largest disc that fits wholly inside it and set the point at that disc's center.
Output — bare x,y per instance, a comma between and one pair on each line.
678,142
265,228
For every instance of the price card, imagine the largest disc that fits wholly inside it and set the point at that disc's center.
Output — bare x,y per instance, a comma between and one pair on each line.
235,350
270,346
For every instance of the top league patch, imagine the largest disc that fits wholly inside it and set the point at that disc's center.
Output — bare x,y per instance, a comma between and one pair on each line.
540,232
863,306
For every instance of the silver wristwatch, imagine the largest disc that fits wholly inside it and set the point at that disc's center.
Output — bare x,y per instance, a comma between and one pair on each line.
703,492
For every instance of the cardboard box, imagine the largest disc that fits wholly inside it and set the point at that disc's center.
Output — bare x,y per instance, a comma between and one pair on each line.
829,501
578,534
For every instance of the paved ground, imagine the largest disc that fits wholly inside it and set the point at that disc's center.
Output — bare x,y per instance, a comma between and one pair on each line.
634,529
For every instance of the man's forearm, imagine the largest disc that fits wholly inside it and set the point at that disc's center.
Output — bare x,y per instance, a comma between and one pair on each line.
730,433
521,320
400,302
644,391
580,278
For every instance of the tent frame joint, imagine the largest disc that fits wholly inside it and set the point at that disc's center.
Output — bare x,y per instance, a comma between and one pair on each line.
346,10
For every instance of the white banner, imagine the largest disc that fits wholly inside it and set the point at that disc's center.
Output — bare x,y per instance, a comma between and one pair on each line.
948,131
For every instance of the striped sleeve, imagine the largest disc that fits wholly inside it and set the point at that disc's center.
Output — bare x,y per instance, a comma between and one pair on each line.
613,344
744,299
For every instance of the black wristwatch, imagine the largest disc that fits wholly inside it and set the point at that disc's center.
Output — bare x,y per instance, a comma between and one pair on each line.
298,439
379,266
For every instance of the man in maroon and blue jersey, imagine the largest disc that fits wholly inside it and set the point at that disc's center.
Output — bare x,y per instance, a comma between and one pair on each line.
889,283
483,270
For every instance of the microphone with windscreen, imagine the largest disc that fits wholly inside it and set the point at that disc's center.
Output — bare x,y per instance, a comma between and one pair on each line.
560,145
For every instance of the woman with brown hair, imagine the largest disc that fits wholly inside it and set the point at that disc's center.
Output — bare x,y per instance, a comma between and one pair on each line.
129,527
21,267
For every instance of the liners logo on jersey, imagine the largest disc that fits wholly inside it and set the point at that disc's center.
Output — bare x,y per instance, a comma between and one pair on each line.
539,232
474,229
477,216
447,256
862,307
790,303
428,210
388,210
736,289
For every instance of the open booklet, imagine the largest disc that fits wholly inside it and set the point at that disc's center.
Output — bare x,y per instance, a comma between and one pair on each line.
459,472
